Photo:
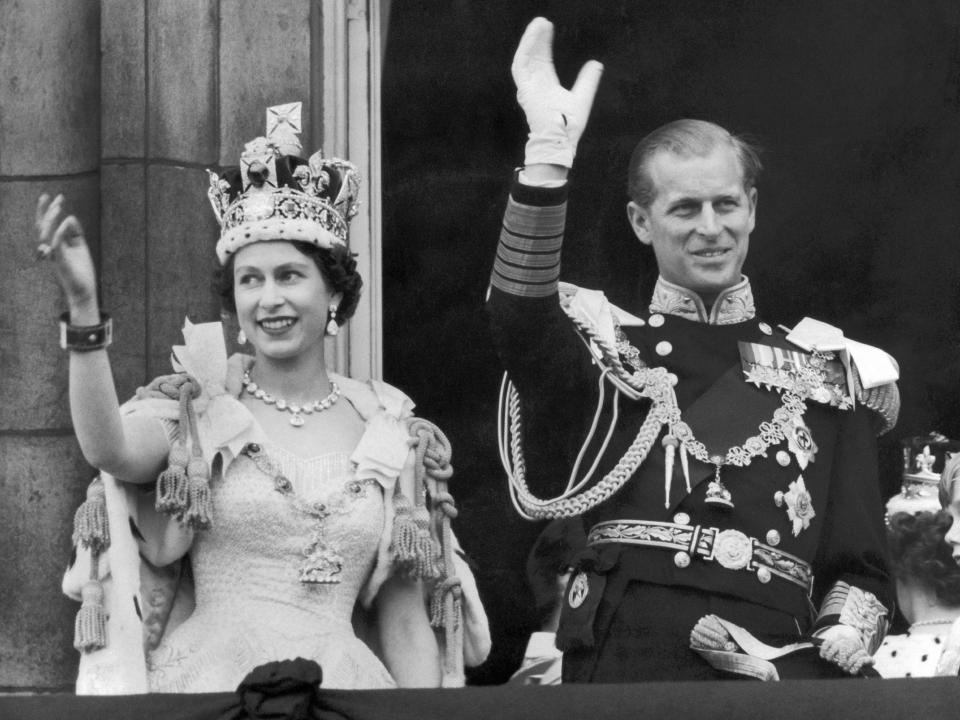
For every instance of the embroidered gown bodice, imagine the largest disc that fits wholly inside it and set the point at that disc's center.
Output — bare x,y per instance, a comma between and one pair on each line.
275,520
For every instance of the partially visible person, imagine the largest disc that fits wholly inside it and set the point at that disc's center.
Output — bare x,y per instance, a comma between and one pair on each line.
950,500
928,595
549,566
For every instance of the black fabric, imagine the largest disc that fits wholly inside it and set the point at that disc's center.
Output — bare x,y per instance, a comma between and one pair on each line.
661,617
526,195
282,690
787,700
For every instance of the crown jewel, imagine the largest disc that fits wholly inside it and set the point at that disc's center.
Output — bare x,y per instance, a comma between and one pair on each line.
275,194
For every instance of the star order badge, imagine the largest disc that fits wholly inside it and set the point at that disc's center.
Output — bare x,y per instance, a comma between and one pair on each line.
799,505
800,442
579,589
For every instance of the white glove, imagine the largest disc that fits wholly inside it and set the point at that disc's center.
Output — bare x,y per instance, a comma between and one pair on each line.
842,646
710,634
556,116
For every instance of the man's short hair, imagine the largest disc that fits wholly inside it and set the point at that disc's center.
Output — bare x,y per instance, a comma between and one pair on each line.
686,138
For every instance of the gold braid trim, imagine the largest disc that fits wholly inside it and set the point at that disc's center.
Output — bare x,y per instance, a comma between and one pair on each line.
847,604
883,400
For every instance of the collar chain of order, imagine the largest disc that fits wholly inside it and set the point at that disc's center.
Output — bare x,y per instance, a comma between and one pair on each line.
657,385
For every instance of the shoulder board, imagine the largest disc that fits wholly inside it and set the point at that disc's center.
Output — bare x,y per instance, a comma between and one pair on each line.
872,373
596,320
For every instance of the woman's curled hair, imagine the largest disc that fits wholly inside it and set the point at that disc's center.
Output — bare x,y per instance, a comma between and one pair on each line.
919,553
337,265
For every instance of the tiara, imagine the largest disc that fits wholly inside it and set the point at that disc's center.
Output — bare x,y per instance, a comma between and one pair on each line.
275,194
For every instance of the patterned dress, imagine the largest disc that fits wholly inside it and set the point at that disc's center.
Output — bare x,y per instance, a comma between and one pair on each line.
278,517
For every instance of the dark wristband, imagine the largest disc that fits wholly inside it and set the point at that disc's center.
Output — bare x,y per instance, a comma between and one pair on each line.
84,338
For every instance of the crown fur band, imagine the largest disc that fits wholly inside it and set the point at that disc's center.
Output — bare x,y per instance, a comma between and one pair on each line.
282,215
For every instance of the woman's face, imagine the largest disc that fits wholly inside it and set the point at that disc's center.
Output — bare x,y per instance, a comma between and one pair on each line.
953,534
282,299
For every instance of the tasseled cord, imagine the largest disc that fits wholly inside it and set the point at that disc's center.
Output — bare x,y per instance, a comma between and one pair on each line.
433,454
403,545
183,488
91,531
416,550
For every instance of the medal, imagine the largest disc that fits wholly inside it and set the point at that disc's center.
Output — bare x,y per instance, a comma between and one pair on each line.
717,493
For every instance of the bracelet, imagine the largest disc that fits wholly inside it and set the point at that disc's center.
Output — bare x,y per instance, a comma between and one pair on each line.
84,338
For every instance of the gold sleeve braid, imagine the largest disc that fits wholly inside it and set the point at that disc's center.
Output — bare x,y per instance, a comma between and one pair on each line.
849,605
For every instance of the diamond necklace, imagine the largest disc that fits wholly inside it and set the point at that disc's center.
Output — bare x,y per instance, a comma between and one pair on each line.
945,621
297,411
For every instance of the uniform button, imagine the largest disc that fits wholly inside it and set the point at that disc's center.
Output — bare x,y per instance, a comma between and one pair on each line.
681,518
773,538
681,559
778,498
656,320
783,457
664,348
763,575
766,329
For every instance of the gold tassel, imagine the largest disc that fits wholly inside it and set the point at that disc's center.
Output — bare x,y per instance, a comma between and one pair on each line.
183,489
439,615
90,527
172,494
90,629
427,549
403,544
199,509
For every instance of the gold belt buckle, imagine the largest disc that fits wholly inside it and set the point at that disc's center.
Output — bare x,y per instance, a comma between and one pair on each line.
732,549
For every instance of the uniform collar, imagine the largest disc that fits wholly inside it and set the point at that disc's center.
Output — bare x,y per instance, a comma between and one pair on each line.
733,305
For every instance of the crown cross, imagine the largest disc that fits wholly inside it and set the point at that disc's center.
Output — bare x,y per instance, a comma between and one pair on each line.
925,461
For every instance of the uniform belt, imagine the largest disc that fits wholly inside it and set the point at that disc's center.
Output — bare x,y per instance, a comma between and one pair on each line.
732,549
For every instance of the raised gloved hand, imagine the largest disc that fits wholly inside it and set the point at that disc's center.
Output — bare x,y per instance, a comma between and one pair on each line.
843,647
556,116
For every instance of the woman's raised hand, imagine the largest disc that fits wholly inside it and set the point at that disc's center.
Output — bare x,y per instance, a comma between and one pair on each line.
61,241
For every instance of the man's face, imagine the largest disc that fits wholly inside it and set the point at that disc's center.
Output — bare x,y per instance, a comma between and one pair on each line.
700,220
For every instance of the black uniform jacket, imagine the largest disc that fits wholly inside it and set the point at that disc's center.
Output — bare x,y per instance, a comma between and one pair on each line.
557,379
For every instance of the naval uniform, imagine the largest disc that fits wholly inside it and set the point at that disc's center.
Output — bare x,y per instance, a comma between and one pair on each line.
796,546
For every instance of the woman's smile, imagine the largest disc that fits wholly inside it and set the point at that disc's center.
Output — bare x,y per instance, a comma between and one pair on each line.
276,325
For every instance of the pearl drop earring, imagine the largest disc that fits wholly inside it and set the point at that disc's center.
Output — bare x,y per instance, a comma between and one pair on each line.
332,327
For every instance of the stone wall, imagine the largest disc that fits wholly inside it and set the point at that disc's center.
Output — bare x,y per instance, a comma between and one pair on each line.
121,105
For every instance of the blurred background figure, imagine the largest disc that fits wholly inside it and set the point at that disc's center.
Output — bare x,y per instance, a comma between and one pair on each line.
548,570
928,596
924,459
